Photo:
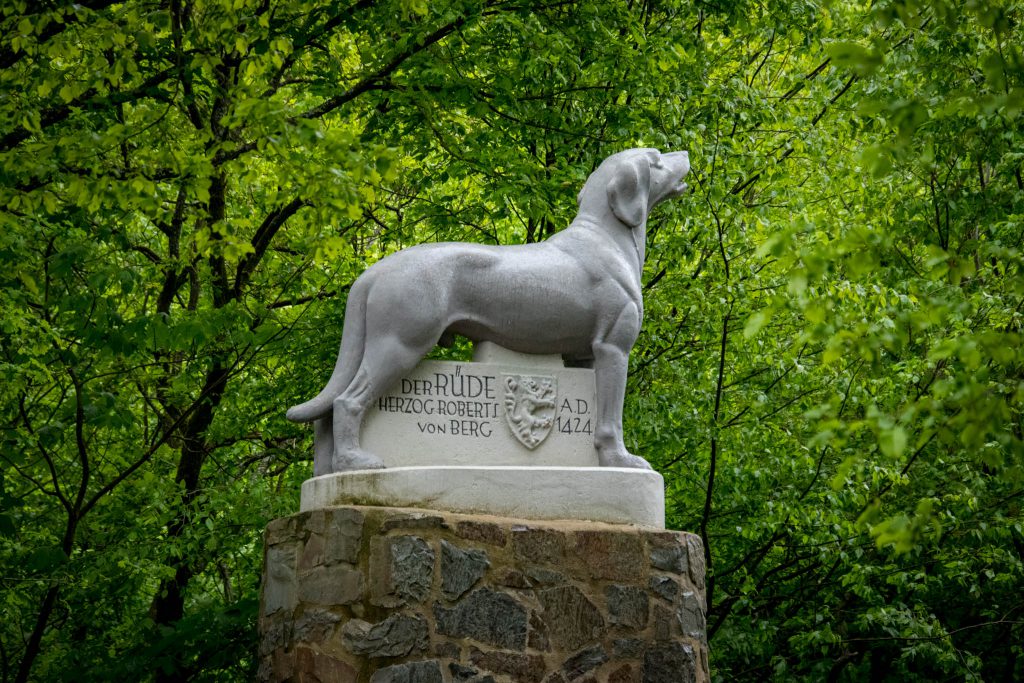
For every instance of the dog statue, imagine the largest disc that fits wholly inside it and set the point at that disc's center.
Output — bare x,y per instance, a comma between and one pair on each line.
577,294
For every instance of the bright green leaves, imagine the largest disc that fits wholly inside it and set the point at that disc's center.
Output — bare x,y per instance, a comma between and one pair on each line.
415,7
755,322
892,441
904,533
861,60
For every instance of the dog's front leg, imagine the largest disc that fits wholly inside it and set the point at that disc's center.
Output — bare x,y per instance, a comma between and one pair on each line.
610,366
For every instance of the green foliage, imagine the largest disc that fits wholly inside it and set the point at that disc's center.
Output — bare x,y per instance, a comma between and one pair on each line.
830,374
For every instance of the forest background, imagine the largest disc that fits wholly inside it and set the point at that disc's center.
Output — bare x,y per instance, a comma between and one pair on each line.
829,374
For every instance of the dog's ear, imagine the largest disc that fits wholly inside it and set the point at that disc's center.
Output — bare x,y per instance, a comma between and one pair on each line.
628,191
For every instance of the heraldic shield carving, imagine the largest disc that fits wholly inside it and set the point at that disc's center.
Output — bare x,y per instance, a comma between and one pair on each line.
530,407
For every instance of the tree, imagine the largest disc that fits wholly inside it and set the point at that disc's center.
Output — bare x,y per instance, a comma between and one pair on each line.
829,374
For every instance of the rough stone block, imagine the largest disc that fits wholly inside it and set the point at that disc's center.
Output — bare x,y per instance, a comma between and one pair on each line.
668,553
460,569
276,636
662,623
572,619
281,530
316,667
428,671
627,648
483,532
671,662
616,556
538,638
280,588
315,625
665,587
343,536
522,668
314,521
396,636
695,555
412,521
401,570
513,578
539,576
624,674
627,606
280,666
467,674
486,616
538,545
312,553
691,616
329,587
584,662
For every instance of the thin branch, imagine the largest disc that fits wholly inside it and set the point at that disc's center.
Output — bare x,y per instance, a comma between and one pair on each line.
83,452
88,100
261,240
46,458
713,461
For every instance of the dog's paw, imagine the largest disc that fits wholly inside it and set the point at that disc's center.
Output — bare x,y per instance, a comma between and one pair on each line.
356,460
624,459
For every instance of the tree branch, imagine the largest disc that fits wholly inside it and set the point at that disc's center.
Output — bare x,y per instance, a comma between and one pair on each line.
365,85
712,464
88,100
261,241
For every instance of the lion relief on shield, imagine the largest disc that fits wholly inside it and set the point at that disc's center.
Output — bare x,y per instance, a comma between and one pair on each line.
530,407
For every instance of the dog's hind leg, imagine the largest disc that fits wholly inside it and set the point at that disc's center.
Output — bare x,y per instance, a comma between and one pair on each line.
383,365
350,354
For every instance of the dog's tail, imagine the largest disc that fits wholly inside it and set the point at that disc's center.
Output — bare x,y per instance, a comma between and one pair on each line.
350,355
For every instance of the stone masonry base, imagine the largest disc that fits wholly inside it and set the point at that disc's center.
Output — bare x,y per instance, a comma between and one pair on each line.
389,595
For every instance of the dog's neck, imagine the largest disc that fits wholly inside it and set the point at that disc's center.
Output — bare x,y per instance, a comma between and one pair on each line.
631,241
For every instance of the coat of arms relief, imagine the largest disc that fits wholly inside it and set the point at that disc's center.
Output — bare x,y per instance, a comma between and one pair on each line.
530,407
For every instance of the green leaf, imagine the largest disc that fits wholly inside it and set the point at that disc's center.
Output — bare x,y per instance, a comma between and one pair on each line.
859,59
756,321
893,441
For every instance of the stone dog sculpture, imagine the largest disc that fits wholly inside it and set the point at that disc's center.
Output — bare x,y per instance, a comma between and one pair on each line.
577,294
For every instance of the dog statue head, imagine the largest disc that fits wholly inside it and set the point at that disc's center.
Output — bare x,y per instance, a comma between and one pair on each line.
634,182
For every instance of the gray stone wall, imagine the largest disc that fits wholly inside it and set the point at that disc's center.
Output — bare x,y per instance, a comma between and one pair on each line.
386,595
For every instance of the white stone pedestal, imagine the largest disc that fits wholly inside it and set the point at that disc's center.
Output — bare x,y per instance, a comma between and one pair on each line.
599,494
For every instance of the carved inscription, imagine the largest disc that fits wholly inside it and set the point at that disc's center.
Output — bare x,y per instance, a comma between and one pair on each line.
453,403
484,413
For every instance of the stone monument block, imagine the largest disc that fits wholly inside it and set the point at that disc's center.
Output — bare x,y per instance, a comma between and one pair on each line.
512,409
508,434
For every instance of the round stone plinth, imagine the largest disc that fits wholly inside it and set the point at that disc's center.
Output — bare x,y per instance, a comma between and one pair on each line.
383,595
600,494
